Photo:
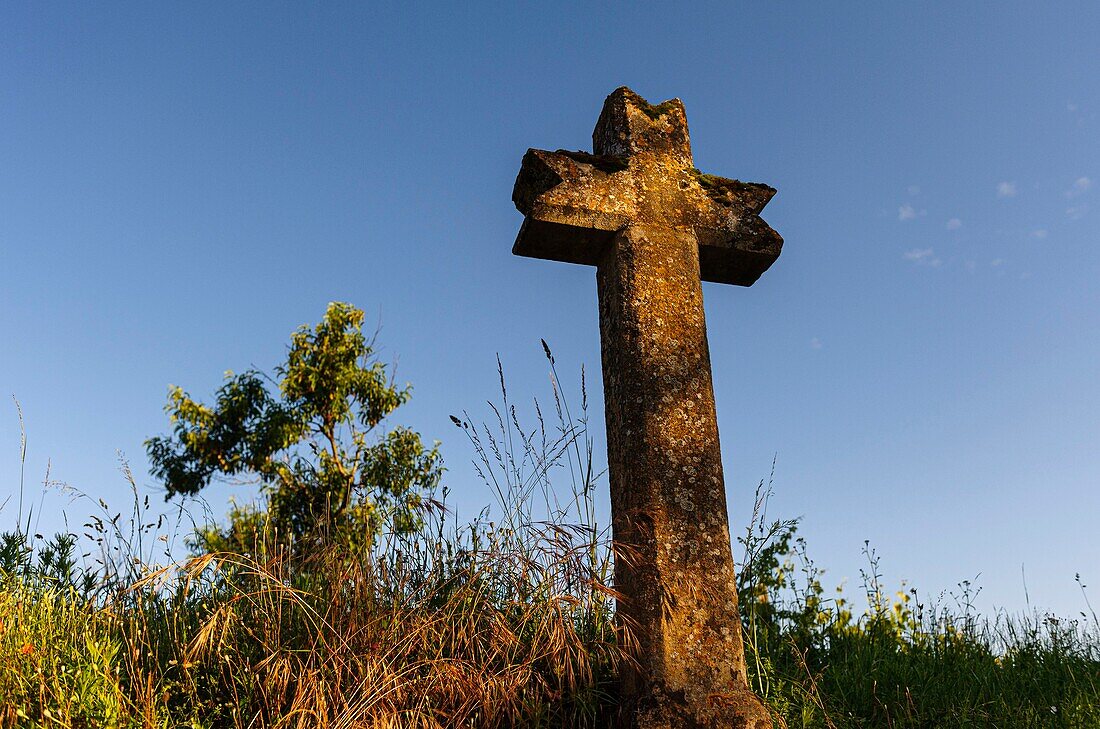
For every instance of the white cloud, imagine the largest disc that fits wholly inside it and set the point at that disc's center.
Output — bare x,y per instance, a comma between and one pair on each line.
1080,186
997,262
913,190
1040,233
922,256
906,212
1006,189
815,343
954,224
1077,211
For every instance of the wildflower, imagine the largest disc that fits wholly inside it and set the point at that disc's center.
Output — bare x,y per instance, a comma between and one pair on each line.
26,650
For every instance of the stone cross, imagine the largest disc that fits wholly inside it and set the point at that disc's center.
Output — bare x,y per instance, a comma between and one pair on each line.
655,227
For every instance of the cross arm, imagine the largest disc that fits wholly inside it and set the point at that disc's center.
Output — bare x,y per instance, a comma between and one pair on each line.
570,222
574,202
736,246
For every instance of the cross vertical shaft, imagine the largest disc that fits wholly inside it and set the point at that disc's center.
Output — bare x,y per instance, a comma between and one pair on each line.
655,227
668,497
673,560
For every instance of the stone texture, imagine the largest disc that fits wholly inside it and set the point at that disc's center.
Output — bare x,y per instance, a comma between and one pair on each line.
641,173
655,227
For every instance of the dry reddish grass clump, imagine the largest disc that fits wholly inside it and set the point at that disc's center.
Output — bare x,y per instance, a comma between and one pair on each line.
415,635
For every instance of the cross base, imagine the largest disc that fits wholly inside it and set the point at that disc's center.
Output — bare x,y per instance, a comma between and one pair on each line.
738,710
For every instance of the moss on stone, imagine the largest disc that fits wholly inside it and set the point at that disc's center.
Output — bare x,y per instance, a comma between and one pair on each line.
609,163
653,112
720,189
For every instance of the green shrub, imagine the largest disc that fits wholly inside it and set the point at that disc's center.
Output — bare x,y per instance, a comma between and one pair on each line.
310,441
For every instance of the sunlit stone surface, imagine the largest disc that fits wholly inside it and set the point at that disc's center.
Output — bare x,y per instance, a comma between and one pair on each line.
655,227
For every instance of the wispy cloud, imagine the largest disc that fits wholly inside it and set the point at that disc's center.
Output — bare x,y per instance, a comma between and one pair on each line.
1076,114
954,224
1080,186
815,343
906,212
1040,234
997,262
922,256
1076,212
913,190
1006,189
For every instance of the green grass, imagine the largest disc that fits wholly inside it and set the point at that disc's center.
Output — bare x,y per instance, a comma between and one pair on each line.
900,661
503,621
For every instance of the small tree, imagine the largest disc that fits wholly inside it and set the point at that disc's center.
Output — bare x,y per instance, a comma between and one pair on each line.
311,444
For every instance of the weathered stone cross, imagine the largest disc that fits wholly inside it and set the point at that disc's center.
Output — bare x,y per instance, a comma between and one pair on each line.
655,227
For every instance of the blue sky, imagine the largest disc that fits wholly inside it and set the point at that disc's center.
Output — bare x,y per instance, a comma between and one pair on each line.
180,188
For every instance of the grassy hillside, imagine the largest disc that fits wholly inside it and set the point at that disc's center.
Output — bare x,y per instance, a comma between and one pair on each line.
505,621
